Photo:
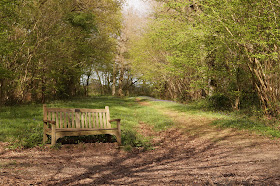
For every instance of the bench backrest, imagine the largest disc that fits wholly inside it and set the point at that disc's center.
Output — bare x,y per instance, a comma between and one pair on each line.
78,118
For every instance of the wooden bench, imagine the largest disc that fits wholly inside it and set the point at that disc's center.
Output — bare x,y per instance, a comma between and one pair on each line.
60,122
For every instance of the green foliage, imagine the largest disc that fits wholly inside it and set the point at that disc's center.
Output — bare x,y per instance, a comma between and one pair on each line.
50,45
132,139
5,73
57,146
85,20
228,48
220,102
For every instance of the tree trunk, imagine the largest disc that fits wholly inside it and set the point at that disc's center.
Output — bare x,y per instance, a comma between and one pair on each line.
264,89
120,91
100,81
87,85
212,87
43,89
1,91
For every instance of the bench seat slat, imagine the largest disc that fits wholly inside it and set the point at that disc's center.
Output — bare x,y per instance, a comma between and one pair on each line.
100,122
74,110
91,110
60,110
89,120
80,129
82,120
96,120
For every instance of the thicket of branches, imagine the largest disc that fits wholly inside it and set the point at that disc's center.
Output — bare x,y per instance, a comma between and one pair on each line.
225,50
48,46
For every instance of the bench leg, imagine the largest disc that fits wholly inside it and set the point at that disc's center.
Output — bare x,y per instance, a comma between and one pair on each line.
45,137
119,140
53,135
53,140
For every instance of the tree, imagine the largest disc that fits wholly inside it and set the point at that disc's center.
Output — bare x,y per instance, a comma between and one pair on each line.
53,44
226,49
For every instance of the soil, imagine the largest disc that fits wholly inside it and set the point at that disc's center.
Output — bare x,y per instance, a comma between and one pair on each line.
193,152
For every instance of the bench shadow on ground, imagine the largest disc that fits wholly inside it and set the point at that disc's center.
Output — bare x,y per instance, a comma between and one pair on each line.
175,161
151,167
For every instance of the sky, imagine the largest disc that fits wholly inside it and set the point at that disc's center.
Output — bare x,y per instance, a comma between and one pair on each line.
141,6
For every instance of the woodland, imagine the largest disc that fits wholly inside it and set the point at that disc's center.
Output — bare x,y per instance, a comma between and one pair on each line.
225,52
196,84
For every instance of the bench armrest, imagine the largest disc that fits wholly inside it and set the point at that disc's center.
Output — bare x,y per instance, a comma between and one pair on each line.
117,120
49,121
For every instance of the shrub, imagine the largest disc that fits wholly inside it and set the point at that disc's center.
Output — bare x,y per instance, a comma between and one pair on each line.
220,102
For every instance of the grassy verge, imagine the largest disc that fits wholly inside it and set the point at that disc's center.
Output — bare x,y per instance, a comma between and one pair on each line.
195,109
21,125
250,124
227,119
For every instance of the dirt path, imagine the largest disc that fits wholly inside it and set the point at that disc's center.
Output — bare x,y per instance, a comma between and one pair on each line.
191,153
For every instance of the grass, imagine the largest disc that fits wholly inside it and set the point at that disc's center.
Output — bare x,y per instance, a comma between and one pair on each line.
227,119
246,123
194,109
22,126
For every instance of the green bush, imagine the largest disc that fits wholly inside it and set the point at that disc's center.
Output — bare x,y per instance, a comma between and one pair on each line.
220,102
132,139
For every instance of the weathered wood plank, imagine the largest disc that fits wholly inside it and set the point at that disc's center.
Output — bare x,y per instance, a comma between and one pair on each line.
72,122
85,124
60,110
60,120
93,120
64,119
104,120
56,119
90,110
100,120
82,120
78,120
67,119
53,140
49,117
96,121
74,110
60,134
89,120
45,117
108,117
81,129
